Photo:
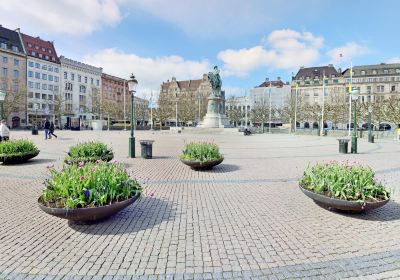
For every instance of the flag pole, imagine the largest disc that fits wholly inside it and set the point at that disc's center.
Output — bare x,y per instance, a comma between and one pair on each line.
350,87
295,107
323,104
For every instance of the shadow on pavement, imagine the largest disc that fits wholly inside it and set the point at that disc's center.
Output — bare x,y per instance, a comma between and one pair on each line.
143,214
33,162
223,168
389,212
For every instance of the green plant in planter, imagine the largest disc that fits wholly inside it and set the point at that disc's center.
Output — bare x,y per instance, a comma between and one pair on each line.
88,185
201,152
89,152
344,181
17,148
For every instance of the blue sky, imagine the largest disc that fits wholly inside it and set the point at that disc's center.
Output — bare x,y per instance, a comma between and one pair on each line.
249,40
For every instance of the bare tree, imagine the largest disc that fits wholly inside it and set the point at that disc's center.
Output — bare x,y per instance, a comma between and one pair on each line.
164,111
15,100
234,113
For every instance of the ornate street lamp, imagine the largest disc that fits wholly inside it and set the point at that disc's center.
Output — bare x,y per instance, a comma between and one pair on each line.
354,96
132,83
370,136
2,98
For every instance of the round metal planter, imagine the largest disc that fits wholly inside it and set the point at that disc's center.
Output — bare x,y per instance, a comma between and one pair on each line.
18,159
342,205
88,214
198,165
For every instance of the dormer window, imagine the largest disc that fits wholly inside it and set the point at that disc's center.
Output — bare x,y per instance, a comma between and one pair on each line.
30,45
363,72
374,72
385,71
397,71
43,49
316,77
36,47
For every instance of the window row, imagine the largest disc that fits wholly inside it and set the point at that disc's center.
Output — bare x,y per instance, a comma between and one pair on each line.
38,95
5,73
14,87
38,48
5,61
371,80
79,78
13,48
41,106
37,75
43,66
42,86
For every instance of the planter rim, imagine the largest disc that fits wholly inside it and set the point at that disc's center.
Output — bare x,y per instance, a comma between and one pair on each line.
88,214
19,158
341,204
202,164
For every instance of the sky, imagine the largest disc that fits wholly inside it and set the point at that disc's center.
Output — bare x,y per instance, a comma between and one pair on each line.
249,40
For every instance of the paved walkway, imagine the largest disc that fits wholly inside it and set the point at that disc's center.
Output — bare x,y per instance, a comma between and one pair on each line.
246,219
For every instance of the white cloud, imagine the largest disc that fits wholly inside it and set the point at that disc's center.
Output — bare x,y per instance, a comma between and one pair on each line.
285,49
394,60
346,53
59,17
150,72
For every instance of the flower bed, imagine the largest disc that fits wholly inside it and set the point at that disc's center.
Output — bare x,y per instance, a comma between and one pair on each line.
201,155
344,182
76,188
17,151
89,152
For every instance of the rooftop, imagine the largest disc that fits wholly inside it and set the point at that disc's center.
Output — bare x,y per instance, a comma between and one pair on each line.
39,48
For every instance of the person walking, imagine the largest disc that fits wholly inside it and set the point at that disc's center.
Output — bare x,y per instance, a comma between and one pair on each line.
52,130
4,131
46,129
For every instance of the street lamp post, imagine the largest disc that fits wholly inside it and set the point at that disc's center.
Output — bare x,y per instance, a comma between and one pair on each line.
270,108
176,113
354,97
2,98
132,83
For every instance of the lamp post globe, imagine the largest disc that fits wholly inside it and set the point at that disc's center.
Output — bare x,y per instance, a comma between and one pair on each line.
132,84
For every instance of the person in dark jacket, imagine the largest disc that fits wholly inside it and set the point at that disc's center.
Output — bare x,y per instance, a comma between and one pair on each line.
52,130
47,129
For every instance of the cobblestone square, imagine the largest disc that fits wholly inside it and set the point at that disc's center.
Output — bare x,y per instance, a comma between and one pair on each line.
245,219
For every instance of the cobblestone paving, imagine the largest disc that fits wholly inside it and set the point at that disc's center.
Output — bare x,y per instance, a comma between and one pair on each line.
246,219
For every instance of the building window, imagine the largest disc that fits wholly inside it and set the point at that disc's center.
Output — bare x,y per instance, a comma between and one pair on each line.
385,71
30,63
362,72
46,57
98,83
30,94
50,97
56,88
374,72
15,87
50,77
50,87
369,89
37,75
3,45
30,84
56,79
44,67
50,68
40,55
44,86
56,69
30,74
65,75
5,59
82,89
315,92
33,53
68,86
37,65
16,74
37,85
44,76
72,76
393,89
44,96
5,72
85,80
91,81
79,78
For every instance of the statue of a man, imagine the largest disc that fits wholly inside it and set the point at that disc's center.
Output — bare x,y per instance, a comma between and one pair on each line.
215,81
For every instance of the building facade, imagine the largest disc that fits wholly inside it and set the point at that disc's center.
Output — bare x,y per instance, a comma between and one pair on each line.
43,79
188,98
13,77
112,93
315,88
80,92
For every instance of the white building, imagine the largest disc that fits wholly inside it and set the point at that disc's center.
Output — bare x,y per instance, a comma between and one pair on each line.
43,79
81,91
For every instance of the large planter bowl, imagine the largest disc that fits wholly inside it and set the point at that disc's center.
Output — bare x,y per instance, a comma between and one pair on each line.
19,158
198,165
87,214
105,158
340,204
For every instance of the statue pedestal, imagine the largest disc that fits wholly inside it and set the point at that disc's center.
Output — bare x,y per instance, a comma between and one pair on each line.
214,118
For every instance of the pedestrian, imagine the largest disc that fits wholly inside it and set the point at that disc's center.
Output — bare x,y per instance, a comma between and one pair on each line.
52,130
46,129
4,131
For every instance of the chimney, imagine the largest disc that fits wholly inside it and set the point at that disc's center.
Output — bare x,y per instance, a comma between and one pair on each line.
301,67
330,65
279,78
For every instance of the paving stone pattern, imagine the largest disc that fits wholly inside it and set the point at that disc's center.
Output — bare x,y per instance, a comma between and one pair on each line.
245,219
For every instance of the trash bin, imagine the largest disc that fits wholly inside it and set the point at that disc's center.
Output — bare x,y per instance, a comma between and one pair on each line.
147,148
35,130
371,138
343,145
